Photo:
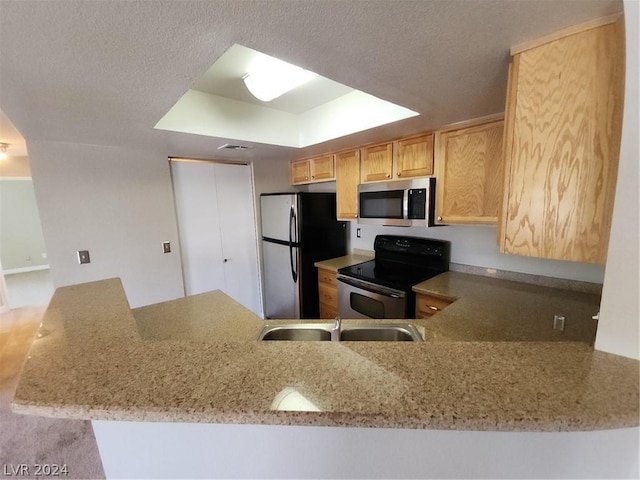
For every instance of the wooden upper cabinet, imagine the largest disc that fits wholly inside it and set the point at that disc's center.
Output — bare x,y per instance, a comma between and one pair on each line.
322,169
470,174
319,169
562,138
377,163
347,179
300,172
413,157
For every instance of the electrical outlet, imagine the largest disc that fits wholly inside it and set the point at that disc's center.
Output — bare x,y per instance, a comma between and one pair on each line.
83,257
558,322
166,247
358,232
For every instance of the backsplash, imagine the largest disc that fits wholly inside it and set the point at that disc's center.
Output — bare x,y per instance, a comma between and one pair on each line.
476,246
540,280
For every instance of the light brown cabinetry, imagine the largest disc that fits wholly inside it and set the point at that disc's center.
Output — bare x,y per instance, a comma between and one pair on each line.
413,157
428,305
470,172
300,172
562,137
312,170
328,293
404,158
347,179
376,163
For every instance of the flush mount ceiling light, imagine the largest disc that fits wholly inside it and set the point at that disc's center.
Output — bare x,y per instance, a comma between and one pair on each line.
268,78
3,151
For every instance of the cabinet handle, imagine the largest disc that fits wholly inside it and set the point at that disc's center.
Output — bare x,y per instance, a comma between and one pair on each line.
436,309
306,178
439,218
399,173
226,260
313,176
355,216
388,175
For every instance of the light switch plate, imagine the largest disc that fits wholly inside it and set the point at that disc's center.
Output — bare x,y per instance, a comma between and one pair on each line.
83,257
558,322
166,247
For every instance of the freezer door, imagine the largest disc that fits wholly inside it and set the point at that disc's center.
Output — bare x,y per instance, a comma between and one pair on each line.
282,298
276,211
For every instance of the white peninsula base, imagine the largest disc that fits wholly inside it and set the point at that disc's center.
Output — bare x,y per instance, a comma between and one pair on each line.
191,450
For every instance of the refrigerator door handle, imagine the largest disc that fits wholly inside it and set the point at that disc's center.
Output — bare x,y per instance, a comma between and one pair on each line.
293,223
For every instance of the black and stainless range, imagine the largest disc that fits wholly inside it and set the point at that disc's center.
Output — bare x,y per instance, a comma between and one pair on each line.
381,288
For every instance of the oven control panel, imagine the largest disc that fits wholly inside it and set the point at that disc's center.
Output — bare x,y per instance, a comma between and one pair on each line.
410,245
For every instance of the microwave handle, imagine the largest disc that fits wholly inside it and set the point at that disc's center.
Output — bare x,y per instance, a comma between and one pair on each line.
405,204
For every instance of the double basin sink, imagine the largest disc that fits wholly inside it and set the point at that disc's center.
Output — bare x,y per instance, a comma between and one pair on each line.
378,332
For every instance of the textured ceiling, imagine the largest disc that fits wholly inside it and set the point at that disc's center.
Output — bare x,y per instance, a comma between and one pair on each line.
105,72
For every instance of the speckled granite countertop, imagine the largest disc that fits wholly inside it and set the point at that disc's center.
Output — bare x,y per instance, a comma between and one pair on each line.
197,360
490,309
334,264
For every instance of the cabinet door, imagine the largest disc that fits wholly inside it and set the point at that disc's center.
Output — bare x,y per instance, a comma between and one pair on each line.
414,157
327,293
470,174
300,172
322,169
564,140
347,178
377,163
429,305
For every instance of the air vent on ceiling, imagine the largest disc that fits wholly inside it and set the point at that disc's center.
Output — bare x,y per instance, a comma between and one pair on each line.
231,146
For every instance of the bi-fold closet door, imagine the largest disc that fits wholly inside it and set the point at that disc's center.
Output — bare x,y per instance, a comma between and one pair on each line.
216,222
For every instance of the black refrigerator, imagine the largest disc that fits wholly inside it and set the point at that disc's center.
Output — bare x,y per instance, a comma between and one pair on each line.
298,229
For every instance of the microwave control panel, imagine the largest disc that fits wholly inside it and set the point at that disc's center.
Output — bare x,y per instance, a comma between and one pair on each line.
417,204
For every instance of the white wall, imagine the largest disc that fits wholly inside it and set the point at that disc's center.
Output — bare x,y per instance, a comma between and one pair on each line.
618,328
206,114
118,204
351,113
476,245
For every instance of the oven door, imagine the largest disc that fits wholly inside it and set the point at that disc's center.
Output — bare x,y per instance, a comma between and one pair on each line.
360,299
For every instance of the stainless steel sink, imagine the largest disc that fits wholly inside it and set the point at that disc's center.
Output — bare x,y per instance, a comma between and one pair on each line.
380,333
374,332
296,332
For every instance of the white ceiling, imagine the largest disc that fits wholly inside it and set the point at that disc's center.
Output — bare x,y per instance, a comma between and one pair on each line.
105,72
224,79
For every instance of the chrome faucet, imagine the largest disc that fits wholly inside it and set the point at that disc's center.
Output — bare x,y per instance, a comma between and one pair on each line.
335,331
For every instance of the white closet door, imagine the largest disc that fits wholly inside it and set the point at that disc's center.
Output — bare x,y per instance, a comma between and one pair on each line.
239,239
199,226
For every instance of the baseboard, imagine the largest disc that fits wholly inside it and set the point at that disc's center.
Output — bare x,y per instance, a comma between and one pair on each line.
26,269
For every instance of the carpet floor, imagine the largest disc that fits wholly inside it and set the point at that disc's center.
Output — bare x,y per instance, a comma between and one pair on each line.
27,441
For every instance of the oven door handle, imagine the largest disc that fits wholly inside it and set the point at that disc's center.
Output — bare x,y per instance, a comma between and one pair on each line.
372,287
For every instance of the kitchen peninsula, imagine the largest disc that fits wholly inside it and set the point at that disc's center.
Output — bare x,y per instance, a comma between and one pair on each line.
196,360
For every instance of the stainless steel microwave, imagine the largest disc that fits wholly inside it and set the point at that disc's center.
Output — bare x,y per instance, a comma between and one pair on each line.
404,203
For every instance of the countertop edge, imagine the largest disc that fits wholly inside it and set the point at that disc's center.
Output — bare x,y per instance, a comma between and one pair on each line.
333,264
323,419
